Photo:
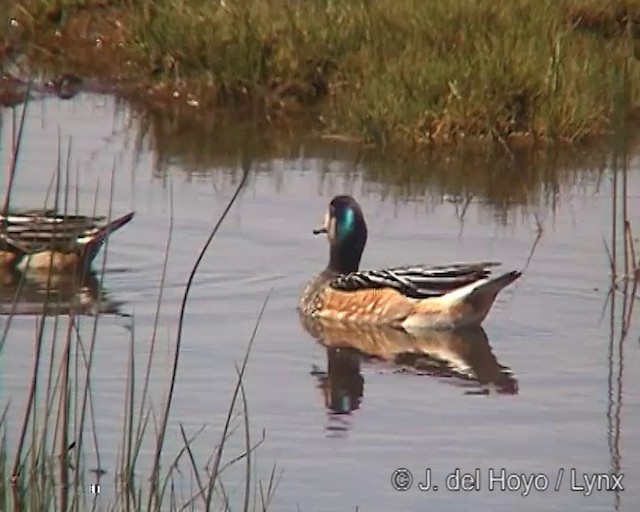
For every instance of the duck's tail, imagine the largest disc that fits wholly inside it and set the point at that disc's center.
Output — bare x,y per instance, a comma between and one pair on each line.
466,306
94,240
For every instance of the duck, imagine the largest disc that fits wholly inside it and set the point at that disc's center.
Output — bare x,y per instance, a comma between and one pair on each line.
406,297
44,240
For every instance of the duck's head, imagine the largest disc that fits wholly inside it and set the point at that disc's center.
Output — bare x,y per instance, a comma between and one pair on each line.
346,230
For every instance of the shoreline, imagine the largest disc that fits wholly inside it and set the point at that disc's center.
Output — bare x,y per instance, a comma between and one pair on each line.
389,74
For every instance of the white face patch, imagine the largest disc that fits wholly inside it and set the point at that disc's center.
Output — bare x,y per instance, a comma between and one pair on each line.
329,225
327,219
331,230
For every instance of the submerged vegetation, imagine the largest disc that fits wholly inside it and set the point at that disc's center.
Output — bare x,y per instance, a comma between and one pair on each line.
403,73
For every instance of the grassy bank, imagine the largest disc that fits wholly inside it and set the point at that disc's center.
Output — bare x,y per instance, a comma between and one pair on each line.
405,73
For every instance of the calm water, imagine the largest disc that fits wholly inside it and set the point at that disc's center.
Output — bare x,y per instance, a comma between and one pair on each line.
545,387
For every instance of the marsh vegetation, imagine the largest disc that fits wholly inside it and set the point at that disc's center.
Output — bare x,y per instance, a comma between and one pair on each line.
395,73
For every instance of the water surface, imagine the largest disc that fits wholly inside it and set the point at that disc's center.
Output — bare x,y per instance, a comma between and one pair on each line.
541,388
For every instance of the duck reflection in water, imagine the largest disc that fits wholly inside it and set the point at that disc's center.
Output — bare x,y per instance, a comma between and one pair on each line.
462,357
341,385
35,293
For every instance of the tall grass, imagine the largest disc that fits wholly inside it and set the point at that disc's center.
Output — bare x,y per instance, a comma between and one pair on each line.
406,73
45,462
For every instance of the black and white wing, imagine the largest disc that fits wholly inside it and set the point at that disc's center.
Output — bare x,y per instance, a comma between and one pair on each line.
416,281
36,230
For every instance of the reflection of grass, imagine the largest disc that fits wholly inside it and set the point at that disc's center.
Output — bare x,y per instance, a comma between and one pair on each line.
46,463
203,147
624,259
623,294
394,72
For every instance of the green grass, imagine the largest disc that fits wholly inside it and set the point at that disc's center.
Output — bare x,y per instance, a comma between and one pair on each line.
405,73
